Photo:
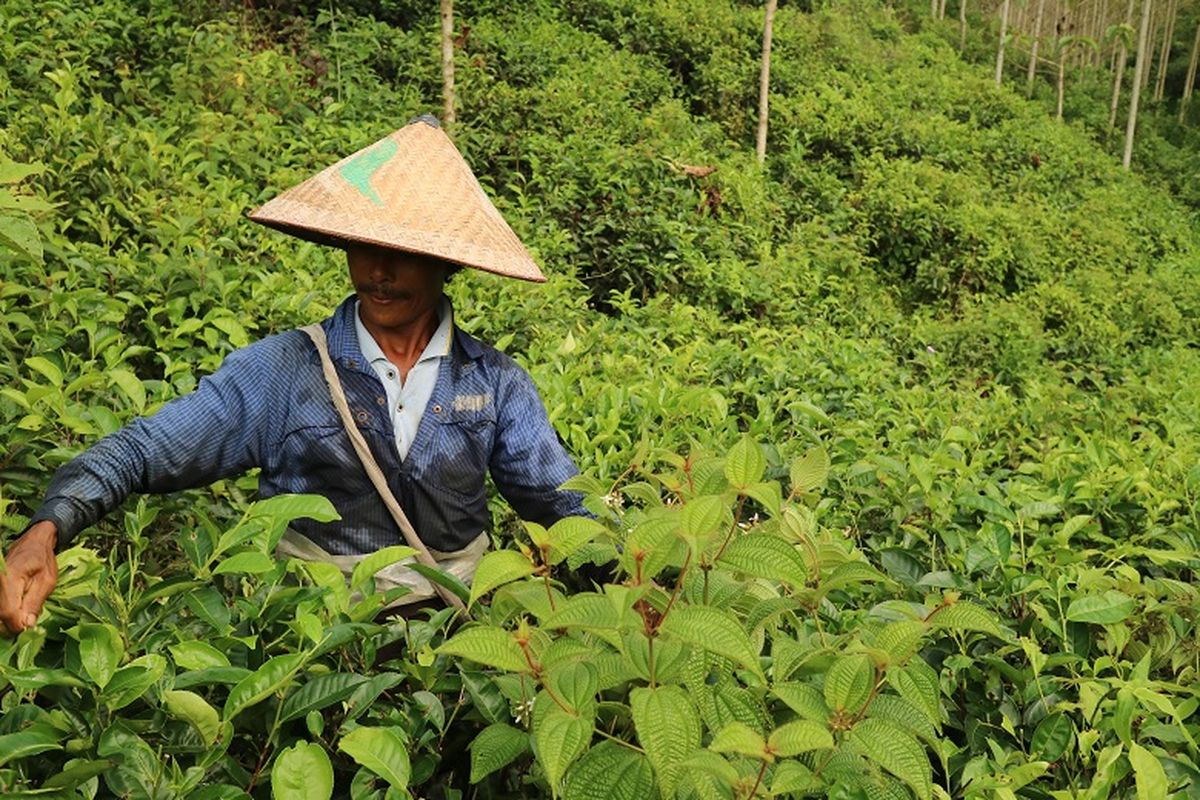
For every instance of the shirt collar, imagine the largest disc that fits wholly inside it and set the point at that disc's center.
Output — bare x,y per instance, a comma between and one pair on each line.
343,336
438,346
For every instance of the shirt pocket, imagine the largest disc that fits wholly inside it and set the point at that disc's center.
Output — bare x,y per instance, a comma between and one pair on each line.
464,448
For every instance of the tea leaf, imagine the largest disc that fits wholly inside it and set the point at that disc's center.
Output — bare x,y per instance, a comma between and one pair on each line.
374,562
29,742
1105,609
100,651
319,692
262,683
1053,737
1148,773
382,751
302,772
195,710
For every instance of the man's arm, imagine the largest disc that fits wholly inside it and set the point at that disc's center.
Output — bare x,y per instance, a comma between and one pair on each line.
215,431
528,461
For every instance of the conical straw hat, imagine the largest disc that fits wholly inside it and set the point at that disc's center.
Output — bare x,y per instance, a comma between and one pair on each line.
409,191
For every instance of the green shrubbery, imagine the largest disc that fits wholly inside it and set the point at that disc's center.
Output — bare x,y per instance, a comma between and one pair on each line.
985,325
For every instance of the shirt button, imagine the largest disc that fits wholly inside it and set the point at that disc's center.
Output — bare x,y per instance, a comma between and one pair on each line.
391,375
381,400
361,416
399,406
437,409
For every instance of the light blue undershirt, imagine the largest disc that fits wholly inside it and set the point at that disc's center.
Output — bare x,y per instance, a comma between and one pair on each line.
406,400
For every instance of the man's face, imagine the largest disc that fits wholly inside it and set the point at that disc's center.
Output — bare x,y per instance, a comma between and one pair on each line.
394,289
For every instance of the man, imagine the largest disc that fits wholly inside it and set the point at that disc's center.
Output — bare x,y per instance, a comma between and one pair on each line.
437,408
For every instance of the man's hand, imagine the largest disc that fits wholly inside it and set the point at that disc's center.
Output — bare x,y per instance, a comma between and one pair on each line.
30,575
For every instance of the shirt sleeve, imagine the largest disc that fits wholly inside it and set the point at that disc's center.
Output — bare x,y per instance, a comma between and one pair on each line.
528,461
214,432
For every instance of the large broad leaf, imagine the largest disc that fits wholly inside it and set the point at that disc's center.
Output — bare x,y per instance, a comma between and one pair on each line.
1148,773
496,746
488,645
805,699
610,772
905,714
195,710
586,611
894,749
1104,609
918,684
575,684
799,737
380,750
810,472
29,742
197,655
765,556
20,235
714,630
569,534
262,683
1054,736
302,772
320,692
901,639
964,616
668,729
559,737
745,464
740,739
498,568
848,682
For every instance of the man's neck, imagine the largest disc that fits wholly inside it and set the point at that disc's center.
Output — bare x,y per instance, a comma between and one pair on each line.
404,345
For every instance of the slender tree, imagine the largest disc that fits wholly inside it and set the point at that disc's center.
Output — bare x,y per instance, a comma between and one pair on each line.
1190,82
962,25
448,115
1000,47
1123,34
1139,69
764,80
1164,56
1033,48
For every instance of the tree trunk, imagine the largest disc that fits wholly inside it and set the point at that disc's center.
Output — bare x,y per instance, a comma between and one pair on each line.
941,9
1152,28
962,26
1164,57
1138,71
764,80
1119,70
933,4
1190,83
448,115
1061,84
1033,48
1000,48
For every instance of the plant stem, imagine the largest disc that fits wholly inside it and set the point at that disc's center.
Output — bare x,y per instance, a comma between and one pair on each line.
758,780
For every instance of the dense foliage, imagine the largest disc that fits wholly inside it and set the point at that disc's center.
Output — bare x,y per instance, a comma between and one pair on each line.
892,441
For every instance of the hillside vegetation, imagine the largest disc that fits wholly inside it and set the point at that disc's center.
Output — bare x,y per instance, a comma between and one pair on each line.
962,340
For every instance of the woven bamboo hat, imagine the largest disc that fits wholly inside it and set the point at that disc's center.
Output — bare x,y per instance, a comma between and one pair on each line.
409,191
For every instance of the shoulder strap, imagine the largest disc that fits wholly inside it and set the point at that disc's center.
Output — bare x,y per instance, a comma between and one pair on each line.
317,334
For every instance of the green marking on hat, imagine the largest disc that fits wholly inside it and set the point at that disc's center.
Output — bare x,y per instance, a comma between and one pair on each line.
358,171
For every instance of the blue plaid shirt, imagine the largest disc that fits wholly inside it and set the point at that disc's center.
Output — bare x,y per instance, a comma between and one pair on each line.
268,406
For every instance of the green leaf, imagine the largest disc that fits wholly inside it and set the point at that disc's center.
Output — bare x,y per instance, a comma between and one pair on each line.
302,772
20,234
195,710
1054,736
1105,609
571,533
496,746
133,388
714,630
741,739
78,773
492,646
901,639
851,573
319,692
705,515
12,172
905,714
250,562
799,737
585,611
100,651
764,556
964,616
810,472
745,464
918,684
498,568
654,539
382,751
668,729
894,749
848,682
792,778
47,368
575,684
371,564
803,698
610,772
29,742
1148,773
559,737
262,683
132,681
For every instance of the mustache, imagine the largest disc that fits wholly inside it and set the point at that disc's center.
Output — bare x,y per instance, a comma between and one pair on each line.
382,290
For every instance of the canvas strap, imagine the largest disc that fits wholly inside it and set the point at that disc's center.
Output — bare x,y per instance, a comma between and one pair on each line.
317,334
